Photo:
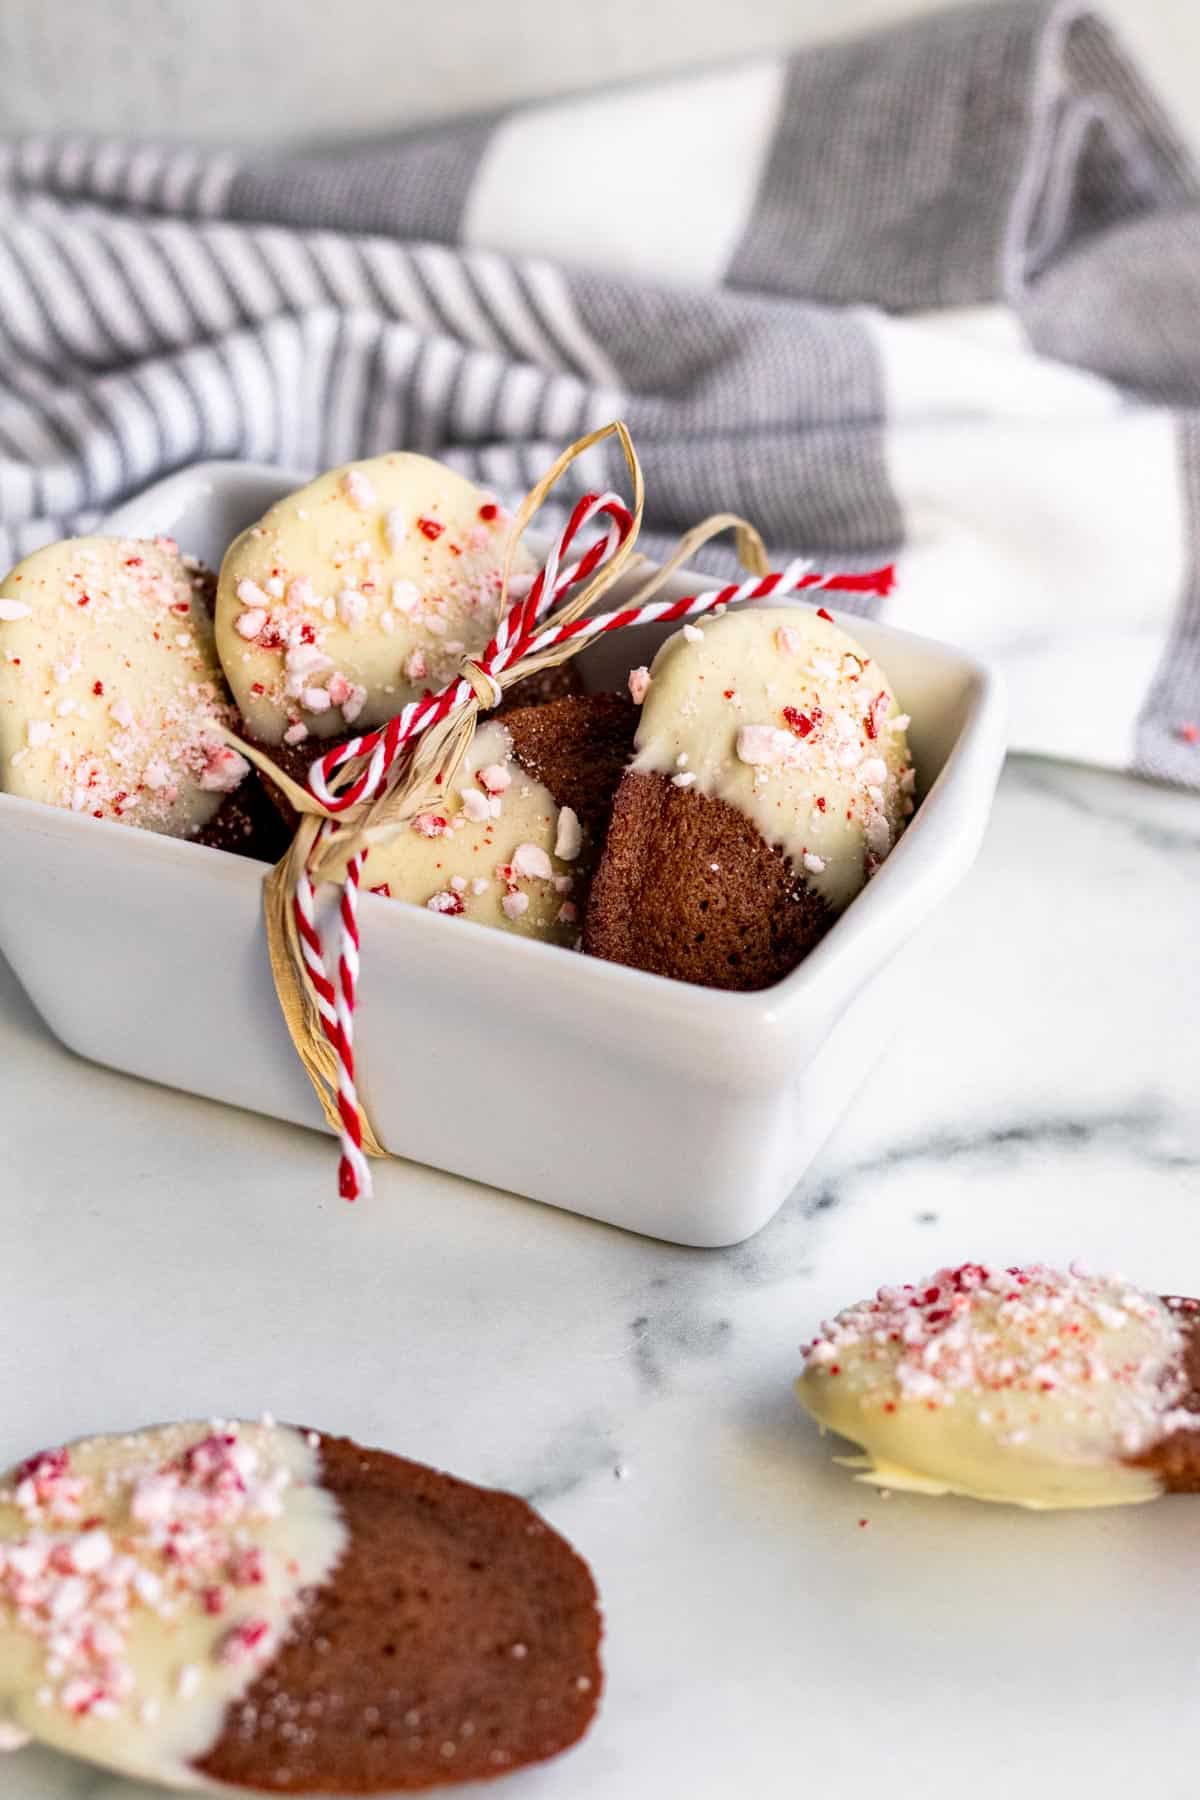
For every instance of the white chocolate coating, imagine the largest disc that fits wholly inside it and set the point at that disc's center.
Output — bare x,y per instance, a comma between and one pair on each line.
146,1581
1021,1385
353,596
488,851
110,686
782,715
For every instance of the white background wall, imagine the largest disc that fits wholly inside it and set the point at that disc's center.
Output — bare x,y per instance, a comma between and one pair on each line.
289,70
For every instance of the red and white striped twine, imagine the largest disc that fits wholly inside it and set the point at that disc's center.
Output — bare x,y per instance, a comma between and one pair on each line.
517,636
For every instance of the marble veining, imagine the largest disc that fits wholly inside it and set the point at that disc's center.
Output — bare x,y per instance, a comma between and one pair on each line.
771,1629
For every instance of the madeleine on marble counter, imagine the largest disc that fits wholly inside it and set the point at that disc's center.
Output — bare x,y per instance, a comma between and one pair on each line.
256,1607
1027,1385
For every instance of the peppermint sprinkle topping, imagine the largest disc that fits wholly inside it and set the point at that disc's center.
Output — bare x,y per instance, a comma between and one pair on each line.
990,1335
568,839
447,902
767,747
476,806
164,1528
495,779
250,623
358,489
223,769
253,597
531,861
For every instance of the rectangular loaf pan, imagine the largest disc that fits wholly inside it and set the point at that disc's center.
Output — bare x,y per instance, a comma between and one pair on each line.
682,1112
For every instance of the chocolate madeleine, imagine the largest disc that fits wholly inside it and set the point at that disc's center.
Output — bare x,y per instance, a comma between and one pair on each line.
284,1612
1030,1385
770,778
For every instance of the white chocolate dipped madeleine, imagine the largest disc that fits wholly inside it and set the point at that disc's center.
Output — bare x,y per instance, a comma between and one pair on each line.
235,1607
358,593
783,715
771,778
1029,1385
110,688
497,849
513,841
146,1579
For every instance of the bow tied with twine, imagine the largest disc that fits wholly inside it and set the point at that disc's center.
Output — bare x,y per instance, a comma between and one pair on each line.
370,788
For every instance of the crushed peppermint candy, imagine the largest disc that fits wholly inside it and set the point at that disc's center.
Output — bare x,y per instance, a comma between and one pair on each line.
639,684
253,597
568,836
223,769
476,805
982,1333
167,1529
354,702
358,489
448,902
351,606
767,747
878,834
244,1642
249,624
532,863
495,779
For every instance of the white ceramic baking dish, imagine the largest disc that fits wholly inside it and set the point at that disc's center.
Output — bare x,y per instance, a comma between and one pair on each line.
673,1110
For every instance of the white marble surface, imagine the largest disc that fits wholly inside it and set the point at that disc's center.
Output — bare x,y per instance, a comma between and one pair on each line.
162,1257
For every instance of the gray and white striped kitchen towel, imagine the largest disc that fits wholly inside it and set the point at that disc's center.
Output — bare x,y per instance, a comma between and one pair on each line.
932,293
